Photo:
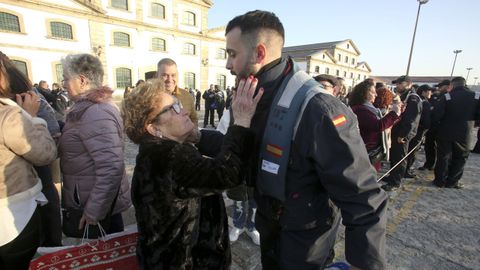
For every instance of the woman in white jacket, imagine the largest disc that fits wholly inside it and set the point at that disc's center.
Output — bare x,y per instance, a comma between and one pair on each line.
24,142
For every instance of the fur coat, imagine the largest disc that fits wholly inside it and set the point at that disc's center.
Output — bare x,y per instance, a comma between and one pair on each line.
180,213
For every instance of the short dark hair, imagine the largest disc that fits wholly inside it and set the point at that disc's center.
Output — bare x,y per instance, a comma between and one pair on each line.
458,81
359,93
255,20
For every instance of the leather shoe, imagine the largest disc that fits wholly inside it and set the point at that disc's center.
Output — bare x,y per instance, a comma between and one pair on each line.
456,186
437,184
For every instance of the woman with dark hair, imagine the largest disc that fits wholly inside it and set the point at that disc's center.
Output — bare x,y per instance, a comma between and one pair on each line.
176,190
371,121
91,148
24,143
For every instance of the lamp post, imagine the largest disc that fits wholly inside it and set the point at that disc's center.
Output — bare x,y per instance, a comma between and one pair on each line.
456,52
468,73
420,3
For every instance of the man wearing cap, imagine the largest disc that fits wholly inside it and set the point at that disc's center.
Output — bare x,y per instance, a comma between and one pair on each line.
403,132
454,116
430,145
425,93
328,82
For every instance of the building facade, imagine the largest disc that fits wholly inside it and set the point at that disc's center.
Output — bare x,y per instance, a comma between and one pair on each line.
337,58
129,37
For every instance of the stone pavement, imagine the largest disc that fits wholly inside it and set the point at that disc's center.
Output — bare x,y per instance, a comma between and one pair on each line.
428,227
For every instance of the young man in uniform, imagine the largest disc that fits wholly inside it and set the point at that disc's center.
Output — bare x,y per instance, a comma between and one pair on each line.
326,173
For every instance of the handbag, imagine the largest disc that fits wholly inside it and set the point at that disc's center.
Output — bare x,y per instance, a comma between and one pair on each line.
376,155
116,251
71,218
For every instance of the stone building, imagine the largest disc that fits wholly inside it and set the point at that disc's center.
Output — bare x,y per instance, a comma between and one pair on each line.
129,36
337,58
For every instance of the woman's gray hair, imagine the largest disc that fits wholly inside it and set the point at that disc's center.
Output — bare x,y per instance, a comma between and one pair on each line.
86,65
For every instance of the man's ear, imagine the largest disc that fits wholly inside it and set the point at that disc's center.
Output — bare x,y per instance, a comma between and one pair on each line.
154,131
260,53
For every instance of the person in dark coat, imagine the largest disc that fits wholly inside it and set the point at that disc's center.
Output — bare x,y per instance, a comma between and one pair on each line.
403,131
454,116
371,122
425,93
176,190
198,97
327,173
210,106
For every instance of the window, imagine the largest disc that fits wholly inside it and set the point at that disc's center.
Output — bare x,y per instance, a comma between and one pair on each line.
346,59
338,73
353,61
121,39
189,80
124,77
221,54
222,81
188,18
348,46
323,56
327,71
9,22
351,75
22,66
344,74
158,11
317,69
61,30
358,77
339,57
158,44
188,48
364,77
59,72
121,4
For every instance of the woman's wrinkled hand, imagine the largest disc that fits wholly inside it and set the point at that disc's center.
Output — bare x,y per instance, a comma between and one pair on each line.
29,101
86,221
244,103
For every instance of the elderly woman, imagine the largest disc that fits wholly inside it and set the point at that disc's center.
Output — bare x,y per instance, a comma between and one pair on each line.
371,121
91,148
176,190
24,142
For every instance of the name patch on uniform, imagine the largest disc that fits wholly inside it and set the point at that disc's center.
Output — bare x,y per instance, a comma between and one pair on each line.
270,167
339,120
275,150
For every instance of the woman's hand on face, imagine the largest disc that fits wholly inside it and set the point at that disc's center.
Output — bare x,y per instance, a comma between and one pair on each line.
29,101
243,102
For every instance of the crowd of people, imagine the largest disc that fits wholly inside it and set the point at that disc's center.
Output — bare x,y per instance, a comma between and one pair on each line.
298,155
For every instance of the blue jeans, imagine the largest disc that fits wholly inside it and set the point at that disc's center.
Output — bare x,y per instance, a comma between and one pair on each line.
244,214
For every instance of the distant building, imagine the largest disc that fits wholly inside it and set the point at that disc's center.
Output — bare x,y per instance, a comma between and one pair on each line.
129,36
430,80
337,58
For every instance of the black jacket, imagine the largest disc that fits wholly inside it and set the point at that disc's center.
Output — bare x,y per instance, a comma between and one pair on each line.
181,219
329,168
454,115
408,125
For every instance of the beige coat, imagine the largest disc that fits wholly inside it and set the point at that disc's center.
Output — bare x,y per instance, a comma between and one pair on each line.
24,142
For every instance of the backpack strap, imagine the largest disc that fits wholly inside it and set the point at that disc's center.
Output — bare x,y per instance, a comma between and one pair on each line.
283,120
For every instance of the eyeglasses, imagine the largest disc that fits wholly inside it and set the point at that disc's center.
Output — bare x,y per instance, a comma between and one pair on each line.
176,107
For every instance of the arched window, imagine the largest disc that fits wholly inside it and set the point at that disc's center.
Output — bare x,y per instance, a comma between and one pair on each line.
158,44
123,77
61,30
189,81
327,70
21,65
188,48
221,53
189,18
9,22
158,11
317,69
222,81
121,39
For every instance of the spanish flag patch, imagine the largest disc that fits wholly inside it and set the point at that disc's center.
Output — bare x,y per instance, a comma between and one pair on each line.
275,150
339,120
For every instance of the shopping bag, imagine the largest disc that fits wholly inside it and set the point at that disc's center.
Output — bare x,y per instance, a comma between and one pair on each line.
115,251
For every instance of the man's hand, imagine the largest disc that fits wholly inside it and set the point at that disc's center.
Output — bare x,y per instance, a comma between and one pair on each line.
401,140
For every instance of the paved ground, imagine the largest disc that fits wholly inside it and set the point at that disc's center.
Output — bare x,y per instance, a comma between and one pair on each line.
428,227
